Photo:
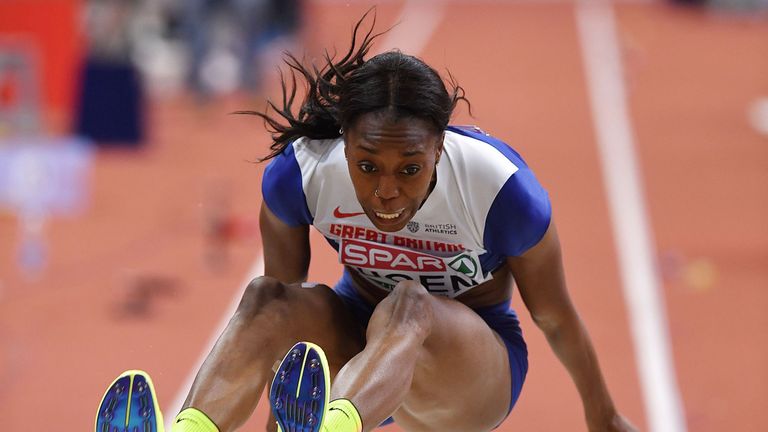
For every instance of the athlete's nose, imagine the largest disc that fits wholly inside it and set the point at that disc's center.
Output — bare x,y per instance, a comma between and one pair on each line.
388,188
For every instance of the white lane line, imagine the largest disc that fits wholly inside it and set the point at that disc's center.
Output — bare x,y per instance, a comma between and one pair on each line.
413,28
257,269
631,229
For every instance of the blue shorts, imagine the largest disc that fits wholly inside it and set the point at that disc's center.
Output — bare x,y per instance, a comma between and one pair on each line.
500,318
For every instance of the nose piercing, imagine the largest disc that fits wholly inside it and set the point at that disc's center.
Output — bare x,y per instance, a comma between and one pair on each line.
376,193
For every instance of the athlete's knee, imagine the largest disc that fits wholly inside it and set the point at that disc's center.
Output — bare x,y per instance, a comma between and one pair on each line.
410,309
410,289
260,293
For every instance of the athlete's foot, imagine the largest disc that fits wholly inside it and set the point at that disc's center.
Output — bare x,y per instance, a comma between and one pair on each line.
299,394
130,404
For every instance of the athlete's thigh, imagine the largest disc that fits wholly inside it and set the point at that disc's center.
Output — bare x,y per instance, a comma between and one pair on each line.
462,380
314,313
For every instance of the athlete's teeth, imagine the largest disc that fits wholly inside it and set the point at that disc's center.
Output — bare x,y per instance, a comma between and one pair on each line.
388,216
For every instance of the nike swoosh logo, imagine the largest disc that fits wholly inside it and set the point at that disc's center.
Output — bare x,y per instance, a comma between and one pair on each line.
341,215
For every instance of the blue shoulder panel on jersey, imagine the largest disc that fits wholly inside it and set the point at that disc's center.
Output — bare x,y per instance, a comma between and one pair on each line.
520,213
283,191
519,216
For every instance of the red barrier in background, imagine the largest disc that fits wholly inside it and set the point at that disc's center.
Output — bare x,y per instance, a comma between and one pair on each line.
51,26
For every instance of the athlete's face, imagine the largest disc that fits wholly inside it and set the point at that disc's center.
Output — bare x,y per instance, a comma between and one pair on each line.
392,165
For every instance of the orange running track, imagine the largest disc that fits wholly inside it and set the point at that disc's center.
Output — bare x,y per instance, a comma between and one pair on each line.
128,284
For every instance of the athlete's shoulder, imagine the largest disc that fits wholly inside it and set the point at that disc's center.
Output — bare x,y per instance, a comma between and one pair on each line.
289,174
305,152
477,142
479,160
520,211
303,156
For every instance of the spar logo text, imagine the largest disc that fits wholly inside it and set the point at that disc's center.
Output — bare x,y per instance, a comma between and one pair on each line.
377,256
386,265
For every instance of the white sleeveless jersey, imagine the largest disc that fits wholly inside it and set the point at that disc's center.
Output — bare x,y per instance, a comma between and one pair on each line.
486,205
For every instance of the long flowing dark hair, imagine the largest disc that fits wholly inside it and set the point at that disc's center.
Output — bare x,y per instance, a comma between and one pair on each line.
342,90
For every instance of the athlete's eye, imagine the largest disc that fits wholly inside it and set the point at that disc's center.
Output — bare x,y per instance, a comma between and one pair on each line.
366,167
411,170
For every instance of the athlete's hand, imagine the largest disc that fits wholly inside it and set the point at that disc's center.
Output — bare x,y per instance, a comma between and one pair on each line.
615,424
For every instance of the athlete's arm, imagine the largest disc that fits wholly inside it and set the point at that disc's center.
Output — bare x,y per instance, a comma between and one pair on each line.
541,281
286,248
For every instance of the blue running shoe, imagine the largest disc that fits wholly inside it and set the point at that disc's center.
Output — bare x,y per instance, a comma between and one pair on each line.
300,392
130,405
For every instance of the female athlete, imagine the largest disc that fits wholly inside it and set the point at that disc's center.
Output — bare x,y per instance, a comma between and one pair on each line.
432,223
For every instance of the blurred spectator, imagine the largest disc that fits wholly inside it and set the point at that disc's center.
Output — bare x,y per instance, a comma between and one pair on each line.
19,87
736,6
110,104
740,6
226,40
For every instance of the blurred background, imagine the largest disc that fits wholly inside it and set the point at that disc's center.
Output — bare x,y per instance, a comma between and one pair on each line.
129,195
